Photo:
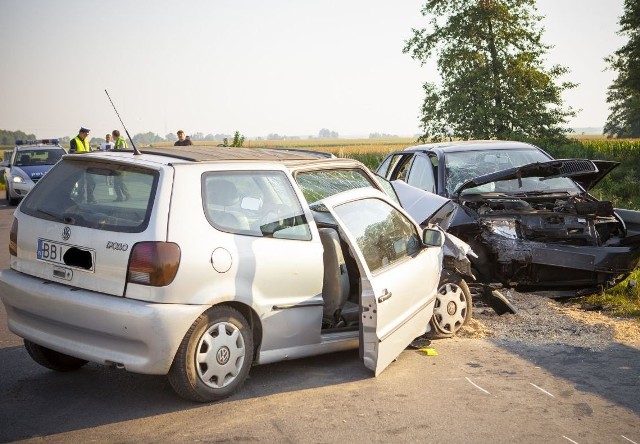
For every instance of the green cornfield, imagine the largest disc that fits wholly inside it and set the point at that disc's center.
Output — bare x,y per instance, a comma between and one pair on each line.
621,186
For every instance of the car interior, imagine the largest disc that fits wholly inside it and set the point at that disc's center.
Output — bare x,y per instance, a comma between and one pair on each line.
341,282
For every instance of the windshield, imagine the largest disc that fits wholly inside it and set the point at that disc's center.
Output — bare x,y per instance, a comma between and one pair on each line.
466,165
316,185
38,157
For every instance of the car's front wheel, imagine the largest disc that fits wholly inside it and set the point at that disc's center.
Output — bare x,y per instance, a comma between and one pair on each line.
10,200
452,309
52,359
214,357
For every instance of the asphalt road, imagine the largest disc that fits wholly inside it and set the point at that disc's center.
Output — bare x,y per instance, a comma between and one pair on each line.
475,391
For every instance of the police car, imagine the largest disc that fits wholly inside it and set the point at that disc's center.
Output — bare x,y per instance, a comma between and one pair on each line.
29,161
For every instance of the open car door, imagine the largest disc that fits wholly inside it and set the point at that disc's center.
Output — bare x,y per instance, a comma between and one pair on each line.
399,274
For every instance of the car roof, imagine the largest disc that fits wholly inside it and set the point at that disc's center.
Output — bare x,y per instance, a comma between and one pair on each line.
207,154
203,153
37,147
471,145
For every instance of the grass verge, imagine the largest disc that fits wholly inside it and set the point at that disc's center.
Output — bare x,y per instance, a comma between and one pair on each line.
623,300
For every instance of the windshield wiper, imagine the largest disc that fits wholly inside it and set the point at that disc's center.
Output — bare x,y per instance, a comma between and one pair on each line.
57,217
539,193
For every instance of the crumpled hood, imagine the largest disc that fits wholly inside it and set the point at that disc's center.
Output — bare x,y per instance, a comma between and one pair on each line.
420,204
583,171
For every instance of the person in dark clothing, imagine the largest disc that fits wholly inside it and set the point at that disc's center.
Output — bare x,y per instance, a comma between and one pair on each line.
182,141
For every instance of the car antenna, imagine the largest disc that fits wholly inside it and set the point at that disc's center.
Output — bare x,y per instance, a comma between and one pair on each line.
136,152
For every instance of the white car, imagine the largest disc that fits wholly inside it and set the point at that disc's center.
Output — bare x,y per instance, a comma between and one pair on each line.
219,258
27,164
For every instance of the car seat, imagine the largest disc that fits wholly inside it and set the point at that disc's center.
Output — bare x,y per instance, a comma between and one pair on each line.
335,283
25,160
223,205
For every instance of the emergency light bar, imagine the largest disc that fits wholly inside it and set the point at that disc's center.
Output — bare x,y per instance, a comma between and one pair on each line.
38,142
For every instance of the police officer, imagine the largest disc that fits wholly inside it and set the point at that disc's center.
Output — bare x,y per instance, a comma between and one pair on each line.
80,143
119,186
120,142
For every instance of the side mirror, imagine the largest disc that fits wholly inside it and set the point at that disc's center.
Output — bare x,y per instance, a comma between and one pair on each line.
432,237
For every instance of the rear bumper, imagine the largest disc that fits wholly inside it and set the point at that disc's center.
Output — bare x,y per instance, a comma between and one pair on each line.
141,336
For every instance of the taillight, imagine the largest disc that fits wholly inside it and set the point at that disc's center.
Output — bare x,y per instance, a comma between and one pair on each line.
13,238
153,263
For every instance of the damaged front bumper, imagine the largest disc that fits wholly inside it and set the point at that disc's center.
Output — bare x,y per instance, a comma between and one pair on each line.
535,265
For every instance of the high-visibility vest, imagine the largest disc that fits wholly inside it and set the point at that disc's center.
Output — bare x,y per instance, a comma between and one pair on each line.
121,144
82,146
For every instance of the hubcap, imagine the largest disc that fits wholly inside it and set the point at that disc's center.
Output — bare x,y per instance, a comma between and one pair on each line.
450,308
220,355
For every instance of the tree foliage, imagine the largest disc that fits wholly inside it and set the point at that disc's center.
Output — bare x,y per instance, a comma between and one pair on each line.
9,137
490,58
325,133
624,93
146,138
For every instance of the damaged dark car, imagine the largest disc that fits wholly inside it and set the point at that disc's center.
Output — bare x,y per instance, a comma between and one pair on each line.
528,217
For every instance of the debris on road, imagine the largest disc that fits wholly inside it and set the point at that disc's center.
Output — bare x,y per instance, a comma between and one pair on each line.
541,321
428,351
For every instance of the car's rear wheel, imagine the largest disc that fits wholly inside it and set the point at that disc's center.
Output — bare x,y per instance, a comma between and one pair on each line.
52,359
452,309
214,357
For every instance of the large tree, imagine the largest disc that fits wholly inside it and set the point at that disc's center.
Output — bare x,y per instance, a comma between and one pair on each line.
624,93
493,82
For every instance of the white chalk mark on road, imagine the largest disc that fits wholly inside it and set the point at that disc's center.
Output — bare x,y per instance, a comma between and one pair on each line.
542,390
569,439
629,439
476,385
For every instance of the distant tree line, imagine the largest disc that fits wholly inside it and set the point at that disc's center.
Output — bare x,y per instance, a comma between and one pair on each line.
9,137
381,136
149,138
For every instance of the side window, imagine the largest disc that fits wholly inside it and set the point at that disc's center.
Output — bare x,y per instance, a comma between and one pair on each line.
421,174
388,165
383,234
254,203
405,166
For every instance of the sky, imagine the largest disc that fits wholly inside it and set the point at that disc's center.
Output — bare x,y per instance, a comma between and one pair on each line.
290,67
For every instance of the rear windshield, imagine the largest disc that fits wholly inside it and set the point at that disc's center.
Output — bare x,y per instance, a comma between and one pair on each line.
104,196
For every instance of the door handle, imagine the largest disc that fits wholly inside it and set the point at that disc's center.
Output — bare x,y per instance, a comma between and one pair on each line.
386,294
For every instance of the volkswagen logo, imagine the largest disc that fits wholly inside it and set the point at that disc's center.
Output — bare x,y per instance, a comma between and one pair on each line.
66,233
223,355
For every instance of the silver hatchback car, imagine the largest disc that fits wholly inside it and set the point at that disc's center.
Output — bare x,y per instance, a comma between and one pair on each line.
198,262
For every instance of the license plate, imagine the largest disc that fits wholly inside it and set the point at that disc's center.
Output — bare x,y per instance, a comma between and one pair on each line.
77,257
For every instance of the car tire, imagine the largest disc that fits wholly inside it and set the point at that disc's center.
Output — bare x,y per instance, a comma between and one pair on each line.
52,359
452,309
10,200
214,357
